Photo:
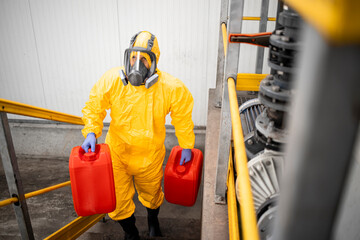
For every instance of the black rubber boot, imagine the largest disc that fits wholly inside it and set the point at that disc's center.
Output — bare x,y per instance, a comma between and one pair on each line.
153,222
131,232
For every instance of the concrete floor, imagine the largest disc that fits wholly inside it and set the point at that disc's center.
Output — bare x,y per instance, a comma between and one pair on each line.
214,216
51,211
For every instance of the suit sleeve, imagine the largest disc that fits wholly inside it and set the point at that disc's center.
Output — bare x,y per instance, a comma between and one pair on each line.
95,108
181,114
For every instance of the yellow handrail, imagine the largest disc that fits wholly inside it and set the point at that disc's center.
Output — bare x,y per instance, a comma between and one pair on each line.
258,18
8,201
247,210
225,40
232,205
37,112
33,194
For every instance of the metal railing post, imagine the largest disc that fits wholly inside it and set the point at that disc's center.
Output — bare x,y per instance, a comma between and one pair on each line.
262,28
231,70
8,157
221,55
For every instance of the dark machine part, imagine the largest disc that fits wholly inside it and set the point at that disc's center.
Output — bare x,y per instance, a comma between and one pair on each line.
275,90
266,223
258,39
248,114
249,111
265,171
265,134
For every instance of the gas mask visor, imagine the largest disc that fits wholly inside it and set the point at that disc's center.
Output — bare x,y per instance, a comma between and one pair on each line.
140,65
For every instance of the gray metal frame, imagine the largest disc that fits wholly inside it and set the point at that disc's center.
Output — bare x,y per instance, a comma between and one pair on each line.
262,28
323,129
231,70
221,57
8,157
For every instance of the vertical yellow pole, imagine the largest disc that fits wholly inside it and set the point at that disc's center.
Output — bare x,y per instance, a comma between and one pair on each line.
247,210
231,201
223,28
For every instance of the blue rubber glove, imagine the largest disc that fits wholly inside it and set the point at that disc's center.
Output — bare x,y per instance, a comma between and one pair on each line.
185,156
90,141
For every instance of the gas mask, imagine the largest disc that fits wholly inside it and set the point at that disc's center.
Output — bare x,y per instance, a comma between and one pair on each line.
138,70
140,64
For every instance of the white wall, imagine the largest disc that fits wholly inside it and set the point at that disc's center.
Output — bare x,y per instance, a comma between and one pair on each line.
52,52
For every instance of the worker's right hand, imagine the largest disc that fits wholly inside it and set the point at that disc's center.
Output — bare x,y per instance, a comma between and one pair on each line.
90,141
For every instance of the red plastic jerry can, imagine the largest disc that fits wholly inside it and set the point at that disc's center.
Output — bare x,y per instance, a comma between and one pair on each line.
181,182
92,180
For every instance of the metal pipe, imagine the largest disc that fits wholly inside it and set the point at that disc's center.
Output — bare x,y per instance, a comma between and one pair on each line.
231,198
225,38
247,210
33,194
8,201
37,112
258,18
48,189
280,7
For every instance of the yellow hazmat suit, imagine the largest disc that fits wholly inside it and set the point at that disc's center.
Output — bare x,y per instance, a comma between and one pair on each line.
137,131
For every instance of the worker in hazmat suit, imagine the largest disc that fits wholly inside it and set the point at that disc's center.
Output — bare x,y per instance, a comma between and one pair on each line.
139,96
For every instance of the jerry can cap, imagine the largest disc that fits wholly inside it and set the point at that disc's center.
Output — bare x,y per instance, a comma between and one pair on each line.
180,169
90,156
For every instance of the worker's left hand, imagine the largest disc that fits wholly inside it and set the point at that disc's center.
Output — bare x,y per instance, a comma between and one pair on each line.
185,156
89,142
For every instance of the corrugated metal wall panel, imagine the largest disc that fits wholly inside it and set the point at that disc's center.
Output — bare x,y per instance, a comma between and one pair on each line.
247,58
20,75
63,47
77,42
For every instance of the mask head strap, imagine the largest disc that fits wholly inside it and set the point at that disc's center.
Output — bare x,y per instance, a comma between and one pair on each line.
132,40
150,42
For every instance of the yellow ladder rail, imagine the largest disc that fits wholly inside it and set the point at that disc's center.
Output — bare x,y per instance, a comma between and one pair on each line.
247,210
231,201
75,228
